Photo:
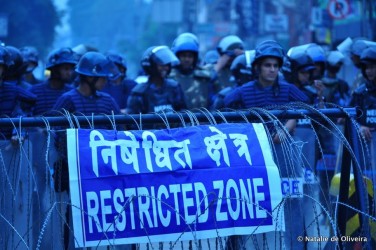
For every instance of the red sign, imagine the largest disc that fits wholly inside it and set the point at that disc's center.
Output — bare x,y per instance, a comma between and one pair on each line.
339,9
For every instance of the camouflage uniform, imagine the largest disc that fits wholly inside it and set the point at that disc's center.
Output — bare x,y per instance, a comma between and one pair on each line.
221,79
197,86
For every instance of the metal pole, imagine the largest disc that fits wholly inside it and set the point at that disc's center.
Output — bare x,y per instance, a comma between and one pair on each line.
172,117
344,189
360,185
360,189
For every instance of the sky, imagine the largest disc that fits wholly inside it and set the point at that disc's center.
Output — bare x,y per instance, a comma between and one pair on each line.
63,31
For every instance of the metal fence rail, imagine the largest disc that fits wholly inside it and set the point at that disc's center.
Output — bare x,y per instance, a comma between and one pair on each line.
200,116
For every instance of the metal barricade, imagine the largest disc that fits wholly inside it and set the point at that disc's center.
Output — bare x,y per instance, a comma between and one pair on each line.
31,212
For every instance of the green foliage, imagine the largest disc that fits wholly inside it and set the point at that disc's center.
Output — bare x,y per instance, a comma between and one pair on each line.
30,23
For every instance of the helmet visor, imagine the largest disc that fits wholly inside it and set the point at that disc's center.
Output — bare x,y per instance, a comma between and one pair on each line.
162,55
307,68
301,49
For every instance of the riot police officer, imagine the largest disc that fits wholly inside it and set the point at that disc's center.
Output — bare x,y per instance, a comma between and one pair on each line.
159,93
11,95
16,68
322,155
336,90
195,80
241,67
60,63
120,87
31,58
267,90
93,69
302,75
317,53
357,47
364,97
241,70
228,48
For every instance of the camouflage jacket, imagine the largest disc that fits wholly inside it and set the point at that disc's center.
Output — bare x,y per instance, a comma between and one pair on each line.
197,87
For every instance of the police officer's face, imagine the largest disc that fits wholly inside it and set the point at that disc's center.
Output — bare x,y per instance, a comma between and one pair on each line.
303,76
66,72
371,72
269,69
186,59
318,71
163,70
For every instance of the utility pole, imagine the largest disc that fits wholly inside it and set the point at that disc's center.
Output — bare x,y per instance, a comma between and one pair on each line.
372,23
189,14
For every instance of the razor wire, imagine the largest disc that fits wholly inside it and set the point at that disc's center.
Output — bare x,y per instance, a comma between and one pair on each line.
54,205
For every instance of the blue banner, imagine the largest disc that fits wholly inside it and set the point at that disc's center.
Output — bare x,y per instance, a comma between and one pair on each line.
164,185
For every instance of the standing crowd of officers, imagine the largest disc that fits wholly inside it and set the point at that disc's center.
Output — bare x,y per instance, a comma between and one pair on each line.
177,78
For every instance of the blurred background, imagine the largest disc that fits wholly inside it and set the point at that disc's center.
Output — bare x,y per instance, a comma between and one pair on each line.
130,26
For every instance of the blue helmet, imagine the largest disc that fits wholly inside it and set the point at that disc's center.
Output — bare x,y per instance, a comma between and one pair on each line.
211,57
300,61
368,56
96,64
269,48
117,59
297,60
335,57
120,62
185,42
31,57
241,67
317,54
30,54
157,55
228,44
334,61
315,51
359,45
62,56
16,66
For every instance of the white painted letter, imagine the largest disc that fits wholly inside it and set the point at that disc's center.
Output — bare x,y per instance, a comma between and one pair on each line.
92,211
162,190
260,211
231,184
220,216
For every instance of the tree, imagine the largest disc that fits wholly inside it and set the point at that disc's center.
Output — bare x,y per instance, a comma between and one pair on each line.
30,23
